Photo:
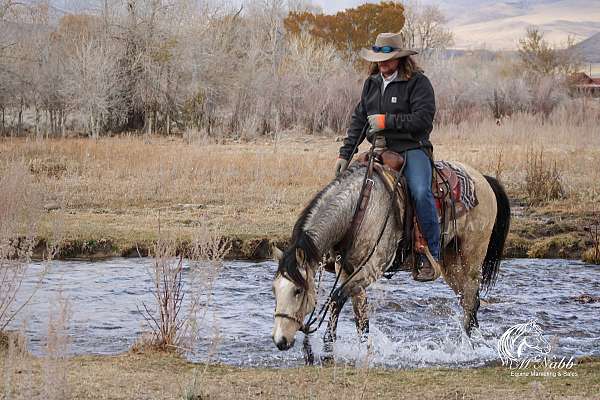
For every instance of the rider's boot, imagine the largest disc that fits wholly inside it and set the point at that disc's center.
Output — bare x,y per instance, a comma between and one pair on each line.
428,267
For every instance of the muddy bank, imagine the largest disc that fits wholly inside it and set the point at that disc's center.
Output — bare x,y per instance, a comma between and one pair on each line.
529,238
129,376
241,248
569,245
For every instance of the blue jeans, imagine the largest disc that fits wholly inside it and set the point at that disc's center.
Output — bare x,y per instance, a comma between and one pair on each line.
418,177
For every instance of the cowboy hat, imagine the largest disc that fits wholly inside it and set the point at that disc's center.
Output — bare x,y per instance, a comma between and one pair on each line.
392,40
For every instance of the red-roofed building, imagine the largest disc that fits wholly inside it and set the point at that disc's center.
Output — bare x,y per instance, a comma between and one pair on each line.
583,83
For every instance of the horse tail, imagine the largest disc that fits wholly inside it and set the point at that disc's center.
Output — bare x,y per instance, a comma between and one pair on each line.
491,263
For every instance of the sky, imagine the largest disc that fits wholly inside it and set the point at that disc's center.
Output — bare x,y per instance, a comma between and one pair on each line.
330,6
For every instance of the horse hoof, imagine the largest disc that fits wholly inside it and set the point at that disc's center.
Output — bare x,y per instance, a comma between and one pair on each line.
327,360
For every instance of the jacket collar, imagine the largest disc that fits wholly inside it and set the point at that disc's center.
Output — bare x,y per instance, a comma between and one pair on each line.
379,79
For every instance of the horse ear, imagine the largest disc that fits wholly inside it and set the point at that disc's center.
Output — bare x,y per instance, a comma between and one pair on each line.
276,253
300,257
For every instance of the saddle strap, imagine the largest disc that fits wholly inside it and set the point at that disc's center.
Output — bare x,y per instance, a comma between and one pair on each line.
359,214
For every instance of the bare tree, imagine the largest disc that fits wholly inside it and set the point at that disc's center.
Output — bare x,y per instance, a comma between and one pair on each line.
425,27
93,85
538,57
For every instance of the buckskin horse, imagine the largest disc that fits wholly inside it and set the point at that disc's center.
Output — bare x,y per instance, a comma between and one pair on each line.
471,258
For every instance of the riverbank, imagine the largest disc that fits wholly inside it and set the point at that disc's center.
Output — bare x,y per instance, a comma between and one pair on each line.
167,376
534,233
108,197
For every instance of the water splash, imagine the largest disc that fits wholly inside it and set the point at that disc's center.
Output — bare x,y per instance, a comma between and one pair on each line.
413,324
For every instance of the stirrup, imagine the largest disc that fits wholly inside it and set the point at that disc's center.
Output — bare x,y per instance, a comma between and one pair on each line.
437,269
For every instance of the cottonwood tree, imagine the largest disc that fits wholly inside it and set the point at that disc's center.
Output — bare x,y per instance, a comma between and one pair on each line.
425,27
351,29
93,86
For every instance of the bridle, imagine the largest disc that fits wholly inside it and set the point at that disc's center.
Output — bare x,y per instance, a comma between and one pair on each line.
318,318
291,318
301,326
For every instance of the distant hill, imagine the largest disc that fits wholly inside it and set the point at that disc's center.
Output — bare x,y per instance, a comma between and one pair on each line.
590,49
499,24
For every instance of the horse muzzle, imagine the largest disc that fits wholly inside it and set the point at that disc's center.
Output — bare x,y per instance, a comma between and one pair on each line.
283,343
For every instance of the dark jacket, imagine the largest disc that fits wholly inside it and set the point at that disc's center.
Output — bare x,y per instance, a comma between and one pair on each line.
409,106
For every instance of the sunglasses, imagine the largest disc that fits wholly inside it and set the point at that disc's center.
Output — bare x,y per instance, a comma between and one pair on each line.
384,49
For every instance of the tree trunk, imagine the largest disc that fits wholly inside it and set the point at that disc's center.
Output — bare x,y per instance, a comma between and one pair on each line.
20,118
92,132
63,131
37,123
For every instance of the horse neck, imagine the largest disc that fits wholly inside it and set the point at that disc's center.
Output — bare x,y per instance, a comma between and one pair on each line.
332,213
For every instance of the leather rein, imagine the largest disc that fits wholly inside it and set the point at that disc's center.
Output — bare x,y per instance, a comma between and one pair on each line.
348,240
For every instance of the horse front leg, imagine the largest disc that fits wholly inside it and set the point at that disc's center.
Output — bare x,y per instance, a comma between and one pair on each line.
359,305
331,332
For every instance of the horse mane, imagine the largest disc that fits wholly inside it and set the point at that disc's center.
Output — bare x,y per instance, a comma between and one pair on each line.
288,265
301,239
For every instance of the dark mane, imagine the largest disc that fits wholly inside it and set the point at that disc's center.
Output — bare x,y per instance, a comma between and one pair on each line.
288,265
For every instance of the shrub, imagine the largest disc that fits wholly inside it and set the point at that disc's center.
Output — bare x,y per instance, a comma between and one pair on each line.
543,181
592,254
20,208
173,327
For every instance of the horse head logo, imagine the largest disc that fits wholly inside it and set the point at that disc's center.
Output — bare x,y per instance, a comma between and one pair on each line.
522,341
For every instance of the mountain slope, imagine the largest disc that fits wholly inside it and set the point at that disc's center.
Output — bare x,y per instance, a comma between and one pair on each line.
499,25
590,49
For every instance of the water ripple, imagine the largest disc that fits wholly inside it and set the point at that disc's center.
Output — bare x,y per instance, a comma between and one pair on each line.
412,324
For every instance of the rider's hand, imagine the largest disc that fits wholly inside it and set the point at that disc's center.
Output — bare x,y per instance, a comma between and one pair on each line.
376,123
340,165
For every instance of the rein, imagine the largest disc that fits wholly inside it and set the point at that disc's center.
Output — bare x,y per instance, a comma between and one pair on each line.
351,234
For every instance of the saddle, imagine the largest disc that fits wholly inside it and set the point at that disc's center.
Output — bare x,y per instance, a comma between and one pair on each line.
446,180
450,185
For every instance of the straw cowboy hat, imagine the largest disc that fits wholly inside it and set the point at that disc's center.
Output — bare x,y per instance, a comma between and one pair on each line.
387,46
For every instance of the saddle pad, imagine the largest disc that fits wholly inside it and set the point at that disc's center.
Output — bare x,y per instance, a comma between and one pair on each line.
462,185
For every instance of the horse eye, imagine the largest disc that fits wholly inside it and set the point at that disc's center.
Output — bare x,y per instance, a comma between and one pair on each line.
297,292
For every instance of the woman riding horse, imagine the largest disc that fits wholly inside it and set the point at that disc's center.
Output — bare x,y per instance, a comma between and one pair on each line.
398,102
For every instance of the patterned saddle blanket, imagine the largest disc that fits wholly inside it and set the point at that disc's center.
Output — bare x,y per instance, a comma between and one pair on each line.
452,178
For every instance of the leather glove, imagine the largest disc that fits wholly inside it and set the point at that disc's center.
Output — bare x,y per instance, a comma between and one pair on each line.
340,165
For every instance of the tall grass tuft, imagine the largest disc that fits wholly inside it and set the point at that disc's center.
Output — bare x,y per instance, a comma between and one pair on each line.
54,363
176,326
167,289
20,210
592,254
543,180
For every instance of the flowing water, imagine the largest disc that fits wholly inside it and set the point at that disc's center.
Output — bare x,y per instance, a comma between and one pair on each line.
412,324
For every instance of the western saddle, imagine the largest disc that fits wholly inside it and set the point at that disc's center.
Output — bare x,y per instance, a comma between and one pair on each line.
446,191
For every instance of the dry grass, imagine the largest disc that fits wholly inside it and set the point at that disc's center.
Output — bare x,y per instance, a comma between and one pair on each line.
20,210
543,181
113,188
165,376
592,254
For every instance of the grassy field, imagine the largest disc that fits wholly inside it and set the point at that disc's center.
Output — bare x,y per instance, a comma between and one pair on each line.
109,195
166,376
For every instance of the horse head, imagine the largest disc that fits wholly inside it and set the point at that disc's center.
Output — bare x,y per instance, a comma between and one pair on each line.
295,294
534,340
